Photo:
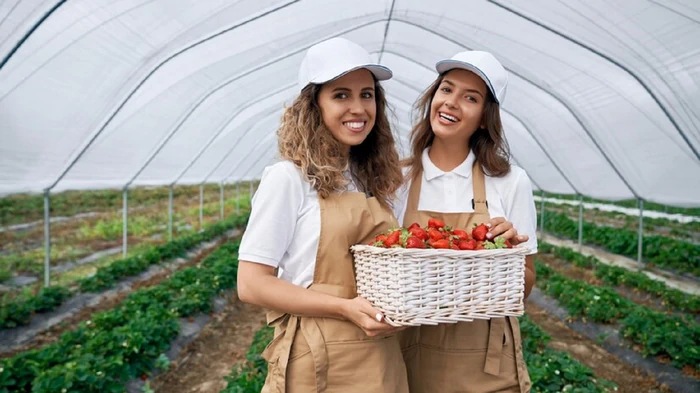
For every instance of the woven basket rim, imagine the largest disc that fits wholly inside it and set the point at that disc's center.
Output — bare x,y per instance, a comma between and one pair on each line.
517,250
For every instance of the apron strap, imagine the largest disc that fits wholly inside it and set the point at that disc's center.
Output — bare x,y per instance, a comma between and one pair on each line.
479,203
497,330
280,349
414,192
314,337
523,377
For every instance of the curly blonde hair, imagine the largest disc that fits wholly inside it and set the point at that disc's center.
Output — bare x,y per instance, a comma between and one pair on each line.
304,140
488,144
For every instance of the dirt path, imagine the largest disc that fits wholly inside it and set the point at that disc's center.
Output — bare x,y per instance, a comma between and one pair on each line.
685,284
203,364
112,298
603,364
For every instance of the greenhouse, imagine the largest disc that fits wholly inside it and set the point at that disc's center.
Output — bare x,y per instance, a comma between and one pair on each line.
134,135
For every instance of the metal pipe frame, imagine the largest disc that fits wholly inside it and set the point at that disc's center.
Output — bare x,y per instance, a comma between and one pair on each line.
90,140
125,219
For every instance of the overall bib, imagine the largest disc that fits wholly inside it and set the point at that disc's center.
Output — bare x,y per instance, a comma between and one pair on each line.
330,355
467,357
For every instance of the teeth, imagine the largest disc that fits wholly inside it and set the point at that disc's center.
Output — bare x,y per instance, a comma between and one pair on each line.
355,124
448,117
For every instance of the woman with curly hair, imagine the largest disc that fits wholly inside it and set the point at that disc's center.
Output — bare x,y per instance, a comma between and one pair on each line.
332,189
459,172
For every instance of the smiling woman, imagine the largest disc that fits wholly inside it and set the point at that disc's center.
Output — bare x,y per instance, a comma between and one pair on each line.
459,172
339,171
348,107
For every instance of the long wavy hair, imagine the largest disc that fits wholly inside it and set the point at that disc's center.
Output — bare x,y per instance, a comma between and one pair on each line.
306,141
488,144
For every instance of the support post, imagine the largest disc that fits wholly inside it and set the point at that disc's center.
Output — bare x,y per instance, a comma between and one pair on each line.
221,200
542,216
47,239
125,220
580,223
170,213
201,207
238,198
640,234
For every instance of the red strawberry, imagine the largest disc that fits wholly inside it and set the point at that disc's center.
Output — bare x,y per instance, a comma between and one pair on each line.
144,377
419,233
479,245
414,242
434,234
379,241
414,225
435,223
462,235
442,243
454,246
479,232
467,244
393,238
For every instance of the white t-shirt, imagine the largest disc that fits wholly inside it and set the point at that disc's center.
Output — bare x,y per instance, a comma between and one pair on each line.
285,224
451,192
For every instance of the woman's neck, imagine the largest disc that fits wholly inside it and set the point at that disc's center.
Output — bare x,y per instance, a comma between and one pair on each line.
448,156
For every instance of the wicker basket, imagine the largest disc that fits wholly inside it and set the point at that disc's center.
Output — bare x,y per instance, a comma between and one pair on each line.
427,286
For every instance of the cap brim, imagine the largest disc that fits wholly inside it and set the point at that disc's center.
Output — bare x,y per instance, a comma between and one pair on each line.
379,71
446,65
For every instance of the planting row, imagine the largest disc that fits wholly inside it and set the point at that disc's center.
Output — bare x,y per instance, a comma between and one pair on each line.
689,231
18,311
656,333
550,370
658,250
618,276
23,252
21,208
123,343
631,203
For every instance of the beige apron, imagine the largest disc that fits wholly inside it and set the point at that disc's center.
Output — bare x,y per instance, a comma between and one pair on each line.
479,356
326,354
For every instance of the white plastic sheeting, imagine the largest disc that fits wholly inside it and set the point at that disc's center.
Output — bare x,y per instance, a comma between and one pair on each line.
604,97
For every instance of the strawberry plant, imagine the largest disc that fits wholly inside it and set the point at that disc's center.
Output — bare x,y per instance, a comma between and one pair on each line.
122,343
249,377
18,311
656,332
618,276
658,250
550,370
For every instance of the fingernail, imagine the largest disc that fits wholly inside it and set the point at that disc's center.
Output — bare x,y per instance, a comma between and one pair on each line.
489,235
488,225
379,317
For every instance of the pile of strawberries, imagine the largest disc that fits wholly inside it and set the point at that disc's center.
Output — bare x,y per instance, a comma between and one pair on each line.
437,235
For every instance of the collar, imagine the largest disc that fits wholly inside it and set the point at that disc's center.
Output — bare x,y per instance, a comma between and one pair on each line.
430,171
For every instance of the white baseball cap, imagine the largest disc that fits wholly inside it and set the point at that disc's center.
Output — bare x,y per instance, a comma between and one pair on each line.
484,65
334,58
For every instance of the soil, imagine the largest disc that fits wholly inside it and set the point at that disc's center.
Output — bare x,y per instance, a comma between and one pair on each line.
204,363
604,365
577,273
222,344
53,334
623,221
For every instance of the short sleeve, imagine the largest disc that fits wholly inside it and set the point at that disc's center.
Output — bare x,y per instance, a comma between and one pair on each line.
401,198
399,203
274,212
520,208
